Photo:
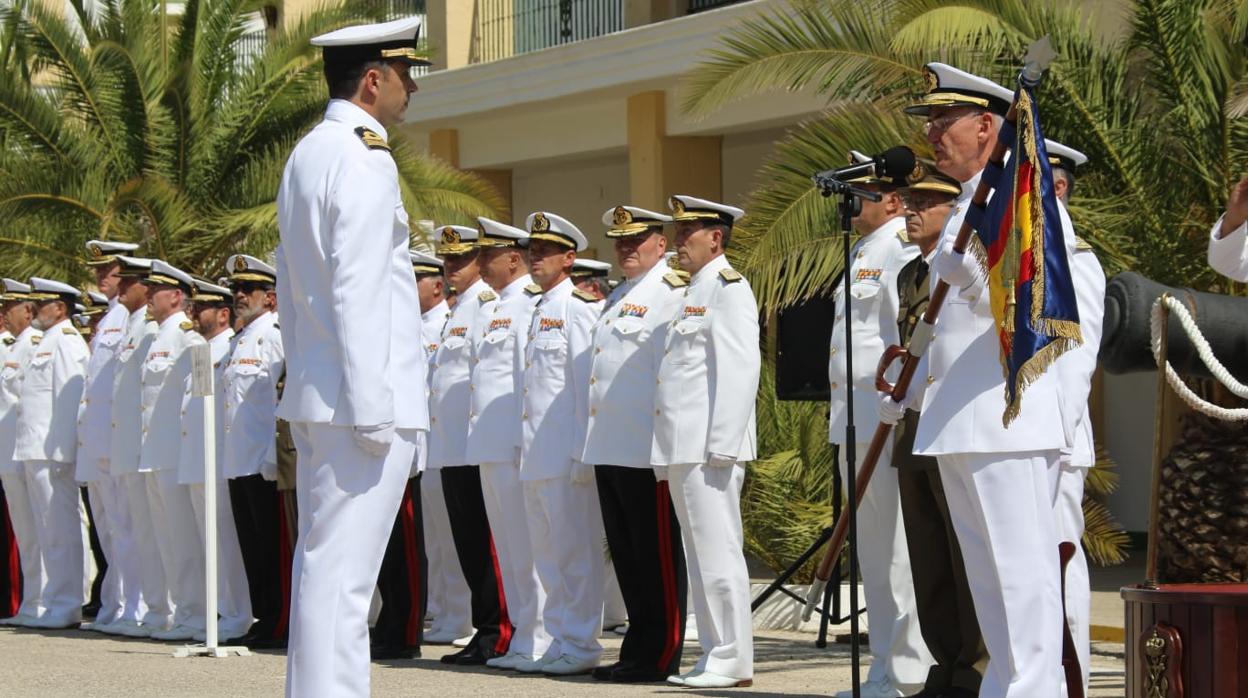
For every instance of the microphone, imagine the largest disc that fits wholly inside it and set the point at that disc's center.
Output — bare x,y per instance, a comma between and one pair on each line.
896,162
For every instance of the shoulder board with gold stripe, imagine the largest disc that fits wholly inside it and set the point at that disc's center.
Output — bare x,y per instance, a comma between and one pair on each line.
486,296
730,275
533,290
10,340
673,279
372,139
69,330
903,235
36,339
1081,244
186,325
585,296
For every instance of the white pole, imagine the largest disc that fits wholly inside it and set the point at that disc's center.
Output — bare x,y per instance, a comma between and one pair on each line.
210,516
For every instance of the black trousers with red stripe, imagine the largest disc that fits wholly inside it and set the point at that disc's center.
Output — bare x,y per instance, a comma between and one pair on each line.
404,577
266,542
10,564
649,559
97,552
470,529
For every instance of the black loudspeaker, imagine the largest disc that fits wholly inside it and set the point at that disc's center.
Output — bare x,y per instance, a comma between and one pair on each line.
803,337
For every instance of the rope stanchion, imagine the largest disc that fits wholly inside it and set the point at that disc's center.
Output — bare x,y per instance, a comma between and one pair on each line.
1170,304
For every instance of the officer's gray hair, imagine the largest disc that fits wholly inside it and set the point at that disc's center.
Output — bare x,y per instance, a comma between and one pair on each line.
1070,181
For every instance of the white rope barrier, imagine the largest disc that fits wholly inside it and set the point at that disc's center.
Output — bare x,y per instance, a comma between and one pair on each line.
1171,304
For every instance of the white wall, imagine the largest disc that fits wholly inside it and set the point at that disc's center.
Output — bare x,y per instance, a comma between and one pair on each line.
743,155
578,189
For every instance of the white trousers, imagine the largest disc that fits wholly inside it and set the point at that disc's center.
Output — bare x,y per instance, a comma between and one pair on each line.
565,531
707,501
1001,505
348,499
125,559
34,577
150,571
449,600
504,507
54,503
233,594
1069,511
898,651
166,535
100,492
184,568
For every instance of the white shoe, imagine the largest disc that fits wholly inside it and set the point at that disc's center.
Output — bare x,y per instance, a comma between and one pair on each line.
50,623
691,629
706,679
569,666
105,629
463,641
18,621
508,661
132,628
873,689
223,635
177,633
535,666
442,637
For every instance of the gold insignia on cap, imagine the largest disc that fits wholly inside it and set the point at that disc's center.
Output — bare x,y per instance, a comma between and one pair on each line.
930,79
96,252
622,216
918,174
678,206
240,264
541,224
450,236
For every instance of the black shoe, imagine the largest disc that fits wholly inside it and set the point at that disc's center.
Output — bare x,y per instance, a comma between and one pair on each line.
958,692
928,693
91,610
603,673
263,643
468,656
393,652
637,674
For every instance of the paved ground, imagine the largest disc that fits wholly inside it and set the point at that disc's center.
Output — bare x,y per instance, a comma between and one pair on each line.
65,663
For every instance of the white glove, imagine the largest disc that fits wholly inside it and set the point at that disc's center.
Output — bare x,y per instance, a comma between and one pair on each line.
375,440
268,471
890,410
958,270
660,473
581,474
718,461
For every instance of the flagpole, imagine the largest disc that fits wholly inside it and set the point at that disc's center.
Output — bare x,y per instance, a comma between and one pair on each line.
1038,57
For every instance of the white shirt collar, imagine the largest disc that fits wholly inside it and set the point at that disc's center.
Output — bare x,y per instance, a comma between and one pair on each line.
711,269
515,287
348,113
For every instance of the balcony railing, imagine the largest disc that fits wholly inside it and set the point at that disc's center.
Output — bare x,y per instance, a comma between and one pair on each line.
700,5
503,28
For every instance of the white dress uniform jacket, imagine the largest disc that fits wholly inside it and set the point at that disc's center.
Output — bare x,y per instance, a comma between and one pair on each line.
494,393
165,371
95,412
431,329
191,451
1076,367
708,374
47,406
556,362
355,356
877,259
16,355
1229,255
628,341
127,422
964,401
449,401
248,393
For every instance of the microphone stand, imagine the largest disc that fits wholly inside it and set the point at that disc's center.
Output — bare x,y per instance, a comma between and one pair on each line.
850,206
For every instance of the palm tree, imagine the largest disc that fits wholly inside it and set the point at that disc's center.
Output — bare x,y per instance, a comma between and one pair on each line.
1147,92
121,120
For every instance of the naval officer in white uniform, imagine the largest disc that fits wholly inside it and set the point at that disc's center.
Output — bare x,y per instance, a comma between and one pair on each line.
355,369
1000,482
94,432
494,431
19,316
704,434
565,523
1228,241
46,445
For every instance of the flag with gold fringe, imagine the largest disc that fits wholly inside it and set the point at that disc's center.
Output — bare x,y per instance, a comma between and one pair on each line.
1022,247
